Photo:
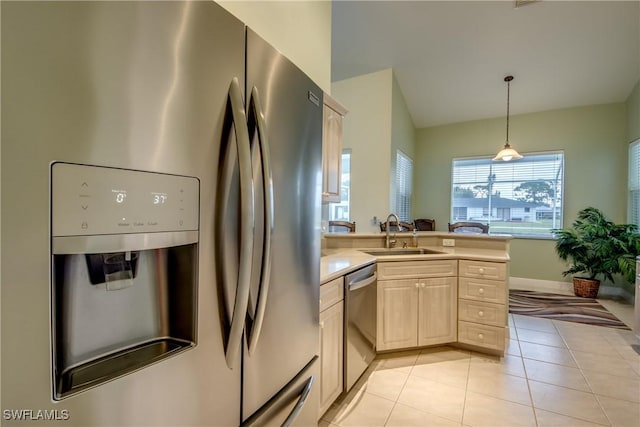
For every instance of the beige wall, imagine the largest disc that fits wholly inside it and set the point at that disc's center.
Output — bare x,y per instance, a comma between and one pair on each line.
403,134
300,29
633,114
594,142
367,132
378,123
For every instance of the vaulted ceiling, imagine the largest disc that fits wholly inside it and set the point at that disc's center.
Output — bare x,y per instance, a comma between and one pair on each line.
450,57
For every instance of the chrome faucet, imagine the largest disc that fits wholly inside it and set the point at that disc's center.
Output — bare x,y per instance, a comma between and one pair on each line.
392,243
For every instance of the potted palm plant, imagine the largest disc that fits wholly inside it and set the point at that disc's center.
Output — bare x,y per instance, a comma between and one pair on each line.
596,247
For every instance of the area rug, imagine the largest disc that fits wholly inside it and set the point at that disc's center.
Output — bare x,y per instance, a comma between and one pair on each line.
562,307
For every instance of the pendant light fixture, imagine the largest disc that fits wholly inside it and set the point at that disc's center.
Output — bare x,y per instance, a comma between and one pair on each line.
507,153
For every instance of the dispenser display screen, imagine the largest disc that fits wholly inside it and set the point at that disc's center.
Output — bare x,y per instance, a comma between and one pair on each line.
120,195
159,198
100,200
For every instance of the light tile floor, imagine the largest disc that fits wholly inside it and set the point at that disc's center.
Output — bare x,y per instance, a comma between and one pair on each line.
553,374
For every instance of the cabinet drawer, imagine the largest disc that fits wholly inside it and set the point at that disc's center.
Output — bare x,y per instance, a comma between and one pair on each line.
331,292
409,269
482,290
491,337
483,270
482,312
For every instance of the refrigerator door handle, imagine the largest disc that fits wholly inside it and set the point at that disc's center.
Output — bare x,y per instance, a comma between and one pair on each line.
300,403
256,113
247,221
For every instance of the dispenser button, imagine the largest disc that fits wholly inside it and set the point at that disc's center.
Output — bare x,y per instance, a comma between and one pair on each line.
84,225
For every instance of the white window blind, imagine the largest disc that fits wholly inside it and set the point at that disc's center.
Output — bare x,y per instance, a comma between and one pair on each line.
340,211
523,197
633,204
404,187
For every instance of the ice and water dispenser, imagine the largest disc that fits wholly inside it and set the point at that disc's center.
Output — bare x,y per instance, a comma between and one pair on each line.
124,248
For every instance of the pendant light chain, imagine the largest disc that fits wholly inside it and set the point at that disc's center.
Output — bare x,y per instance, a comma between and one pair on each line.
508,80
507,153
508,87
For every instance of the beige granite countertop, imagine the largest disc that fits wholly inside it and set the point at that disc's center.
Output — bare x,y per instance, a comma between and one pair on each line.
337,262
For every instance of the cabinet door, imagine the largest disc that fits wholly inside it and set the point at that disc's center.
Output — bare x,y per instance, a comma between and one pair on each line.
397,314
331,155
437,311
331,333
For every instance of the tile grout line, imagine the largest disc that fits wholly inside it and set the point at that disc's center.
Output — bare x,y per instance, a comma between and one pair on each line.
395,403
466,388
526,377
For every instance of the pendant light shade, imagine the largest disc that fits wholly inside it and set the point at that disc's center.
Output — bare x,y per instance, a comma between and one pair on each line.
507,153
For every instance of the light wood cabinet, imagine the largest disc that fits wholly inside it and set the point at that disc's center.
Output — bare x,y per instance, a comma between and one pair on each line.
419,310
397,323
331,342
482,304
437,317
333,114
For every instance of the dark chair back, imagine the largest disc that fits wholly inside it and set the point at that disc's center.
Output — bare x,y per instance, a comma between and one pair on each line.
342,227
423,224
469,227
393,226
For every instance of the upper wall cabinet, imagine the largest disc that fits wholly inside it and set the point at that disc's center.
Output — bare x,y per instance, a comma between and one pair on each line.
331,149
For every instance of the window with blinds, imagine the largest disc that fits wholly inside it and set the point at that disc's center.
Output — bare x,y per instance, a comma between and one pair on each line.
404,186
633,204
523,197
340,211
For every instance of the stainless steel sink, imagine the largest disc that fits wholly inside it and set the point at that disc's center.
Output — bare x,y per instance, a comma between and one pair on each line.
401,251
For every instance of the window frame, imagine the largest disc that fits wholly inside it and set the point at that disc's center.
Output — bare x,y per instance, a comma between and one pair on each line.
633,182
403,199
560,189
345,192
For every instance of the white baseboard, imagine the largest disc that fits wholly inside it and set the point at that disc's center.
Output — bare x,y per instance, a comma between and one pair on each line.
565,288
556,287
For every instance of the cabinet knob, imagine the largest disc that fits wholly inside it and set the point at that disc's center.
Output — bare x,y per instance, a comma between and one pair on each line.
481,291
481,313
481,270
321,325
480,336
417,285
422,285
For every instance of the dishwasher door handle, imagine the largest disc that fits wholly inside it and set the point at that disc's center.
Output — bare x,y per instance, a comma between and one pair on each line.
353,286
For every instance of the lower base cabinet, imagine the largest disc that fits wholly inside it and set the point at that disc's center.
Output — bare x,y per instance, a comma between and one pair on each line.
331,343
420,310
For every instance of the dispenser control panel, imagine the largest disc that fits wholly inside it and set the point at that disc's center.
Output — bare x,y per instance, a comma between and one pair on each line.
90,200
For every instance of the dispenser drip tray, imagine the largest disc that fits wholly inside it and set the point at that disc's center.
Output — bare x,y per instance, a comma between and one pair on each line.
116,364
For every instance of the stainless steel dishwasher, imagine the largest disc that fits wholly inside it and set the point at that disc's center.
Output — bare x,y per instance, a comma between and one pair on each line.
359,323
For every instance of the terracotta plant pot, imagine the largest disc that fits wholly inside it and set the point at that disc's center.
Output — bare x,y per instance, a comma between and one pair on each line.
587,288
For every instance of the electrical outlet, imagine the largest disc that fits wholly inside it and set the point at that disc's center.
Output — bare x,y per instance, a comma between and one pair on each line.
448,242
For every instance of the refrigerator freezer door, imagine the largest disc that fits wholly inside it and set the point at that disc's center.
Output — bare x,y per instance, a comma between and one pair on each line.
135,85
294,404
289,336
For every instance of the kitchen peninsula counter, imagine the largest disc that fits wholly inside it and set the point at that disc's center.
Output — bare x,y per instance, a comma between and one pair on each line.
344,252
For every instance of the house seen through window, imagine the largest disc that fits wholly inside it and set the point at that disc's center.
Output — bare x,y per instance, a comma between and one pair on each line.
523,197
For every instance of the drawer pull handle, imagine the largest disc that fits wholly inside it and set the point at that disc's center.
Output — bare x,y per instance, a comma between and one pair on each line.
480,336
481,313
481,291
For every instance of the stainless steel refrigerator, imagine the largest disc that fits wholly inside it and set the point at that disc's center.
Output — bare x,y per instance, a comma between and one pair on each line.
161,172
